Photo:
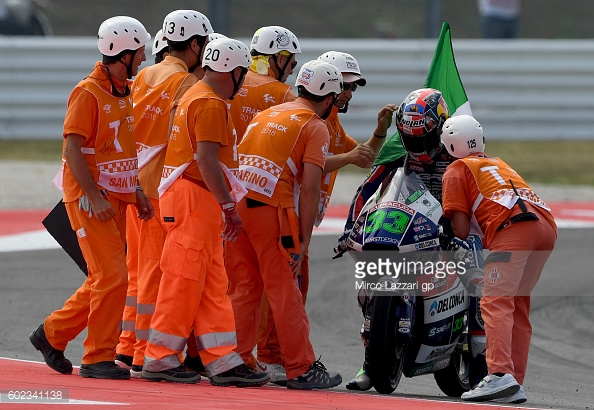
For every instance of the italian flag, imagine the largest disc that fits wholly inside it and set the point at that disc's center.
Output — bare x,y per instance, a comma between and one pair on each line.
443,76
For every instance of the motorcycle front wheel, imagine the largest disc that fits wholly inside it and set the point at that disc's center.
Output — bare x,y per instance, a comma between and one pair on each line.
455,378
386,354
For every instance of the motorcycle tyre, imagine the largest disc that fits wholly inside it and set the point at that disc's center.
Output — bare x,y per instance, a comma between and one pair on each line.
384,364
448,379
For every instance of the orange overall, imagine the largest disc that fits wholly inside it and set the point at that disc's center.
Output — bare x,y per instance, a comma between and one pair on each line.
479,186
128,325
193,288
340,142
156,92
257,93
272,153
107,123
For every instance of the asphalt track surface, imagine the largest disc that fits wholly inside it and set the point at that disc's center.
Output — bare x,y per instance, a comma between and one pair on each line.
561,367
33,283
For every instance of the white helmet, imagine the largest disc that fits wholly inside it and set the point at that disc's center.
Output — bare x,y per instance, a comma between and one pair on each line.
159,43
180,25
319,78
215,36
272,39
462,135
347,65
120,33
225,54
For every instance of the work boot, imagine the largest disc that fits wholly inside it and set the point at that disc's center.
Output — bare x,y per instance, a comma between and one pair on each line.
195,364
177,375
54,358
240,376
317,377
123,361
104,370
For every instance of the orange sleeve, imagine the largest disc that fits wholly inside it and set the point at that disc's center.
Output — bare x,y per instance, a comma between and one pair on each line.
207,121
81,114
455,190
316,143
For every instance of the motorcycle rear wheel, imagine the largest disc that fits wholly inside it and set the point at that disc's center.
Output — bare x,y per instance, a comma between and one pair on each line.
386,354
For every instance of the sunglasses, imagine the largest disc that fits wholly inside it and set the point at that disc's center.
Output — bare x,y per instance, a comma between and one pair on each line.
349,86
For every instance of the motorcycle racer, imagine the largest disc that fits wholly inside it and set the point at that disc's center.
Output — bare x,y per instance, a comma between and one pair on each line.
417,147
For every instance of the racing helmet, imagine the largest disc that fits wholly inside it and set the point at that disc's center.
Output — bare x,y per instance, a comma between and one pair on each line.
159,43
120,33
319,78
270,40
462,135
420,119
225,54
181,25
347,65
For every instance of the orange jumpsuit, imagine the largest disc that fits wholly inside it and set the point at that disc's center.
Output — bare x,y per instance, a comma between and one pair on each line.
107,123
156,90
340,142
128,325
193,288
479,186
272,153
257,93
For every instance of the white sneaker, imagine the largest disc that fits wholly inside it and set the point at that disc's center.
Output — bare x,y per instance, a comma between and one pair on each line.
493,387
517,398
277,372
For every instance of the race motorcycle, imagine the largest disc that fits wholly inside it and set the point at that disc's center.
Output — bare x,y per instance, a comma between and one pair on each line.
415,323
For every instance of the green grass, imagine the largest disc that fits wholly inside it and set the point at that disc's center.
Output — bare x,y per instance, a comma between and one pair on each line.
31,150
551,162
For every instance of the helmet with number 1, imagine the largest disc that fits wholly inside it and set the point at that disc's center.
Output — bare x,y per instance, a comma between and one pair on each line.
270,40
419,121
319,78
225,54
180,25
347,65
121,33
462,135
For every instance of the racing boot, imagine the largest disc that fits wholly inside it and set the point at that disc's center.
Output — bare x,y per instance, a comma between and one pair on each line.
362,381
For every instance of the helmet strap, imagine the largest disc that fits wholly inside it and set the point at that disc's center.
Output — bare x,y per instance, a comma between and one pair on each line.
281,70
114,90
129,66
237,83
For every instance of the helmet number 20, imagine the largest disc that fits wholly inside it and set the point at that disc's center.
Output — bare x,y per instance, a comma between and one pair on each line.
212,54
